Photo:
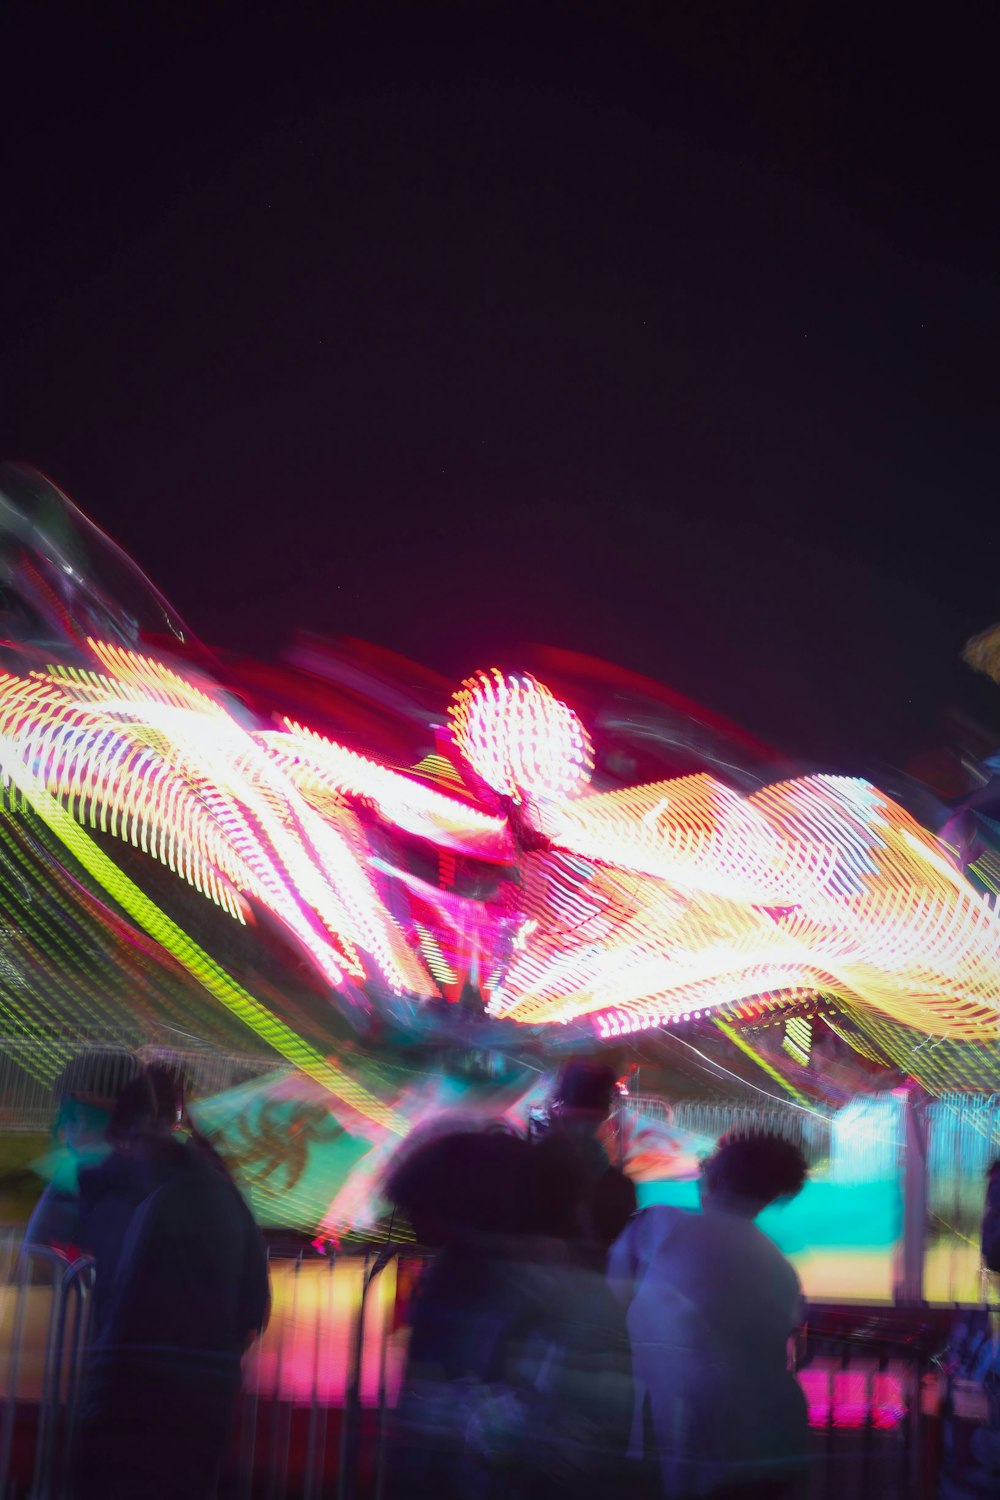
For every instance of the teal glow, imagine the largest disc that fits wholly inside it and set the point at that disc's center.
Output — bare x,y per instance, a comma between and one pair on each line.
825,1215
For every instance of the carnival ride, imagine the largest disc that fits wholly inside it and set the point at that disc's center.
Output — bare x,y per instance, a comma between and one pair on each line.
336,861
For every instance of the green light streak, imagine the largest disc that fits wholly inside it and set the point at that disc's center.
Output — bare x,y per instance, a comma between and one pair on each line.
761,1062
165,931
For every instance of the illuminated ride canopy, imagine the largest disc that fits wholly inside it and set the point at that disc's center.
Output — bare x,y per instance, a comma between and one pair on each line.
495,866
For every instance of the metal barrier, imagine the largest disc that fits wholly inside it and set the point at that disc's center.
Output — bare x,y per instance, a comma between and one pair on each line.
28,1069
317,1386
322,1381
42,1281
320,1384
808,1128
874,1413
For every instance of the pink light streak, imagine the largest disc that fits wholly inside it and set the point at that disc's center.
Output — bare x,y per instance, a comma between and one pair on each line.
635,908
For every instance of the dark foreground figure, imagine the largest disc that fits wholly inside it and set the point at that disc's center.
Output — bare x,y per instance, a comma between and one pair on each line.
181,1290
518,1380
585,1095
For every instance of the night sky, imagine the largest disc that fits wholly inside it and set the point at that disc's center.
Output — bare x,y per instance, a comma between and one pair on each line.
666,333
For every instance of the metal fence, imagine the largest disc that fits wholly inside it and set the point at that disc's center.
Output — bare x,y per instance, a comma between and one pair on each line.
321,1385
29,1068
810,1129
318,1385
45,1304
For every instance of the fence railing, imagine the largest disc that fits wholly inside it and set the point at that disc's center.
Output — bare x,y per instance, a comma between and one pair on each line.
45,1305
811,1129
318,1384
28,1069
321,1384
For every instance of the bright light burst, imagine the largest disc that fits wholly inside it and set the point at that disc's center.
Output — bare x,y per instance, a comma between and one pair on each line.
146,757
520,738
636,907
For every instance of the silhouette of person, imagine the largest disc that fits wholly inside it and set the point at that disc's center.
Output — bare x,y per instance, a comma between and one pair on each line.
85,1095
712,1303
585,1094
181,1290
517,1382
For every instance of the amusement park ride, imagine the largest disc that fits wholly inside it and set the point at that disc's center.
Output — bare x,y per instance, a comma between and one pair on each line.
399,896
341,859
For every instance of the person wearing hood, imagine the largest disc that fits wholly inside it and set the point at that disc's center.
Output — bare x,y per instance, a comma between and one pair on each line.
85,1096
181,1290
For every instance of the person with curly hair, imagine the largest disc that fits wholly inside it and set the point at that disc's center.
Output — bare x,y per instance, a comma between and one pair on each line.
712,1303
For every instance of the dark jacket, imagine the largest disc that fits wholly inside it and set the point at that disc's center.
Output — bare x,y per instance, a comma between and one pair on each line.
181,1275
607,1198
518,1381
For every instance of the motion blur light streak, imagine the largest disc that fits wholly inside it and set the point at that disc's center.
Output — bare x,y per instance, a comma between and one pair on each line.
216,981
657,900
322,769
518,737
700,897
761,1062
491,862
191,787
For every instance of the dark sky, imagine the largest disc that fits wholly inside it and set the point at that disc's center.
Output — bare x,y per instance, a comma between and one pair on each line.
668,333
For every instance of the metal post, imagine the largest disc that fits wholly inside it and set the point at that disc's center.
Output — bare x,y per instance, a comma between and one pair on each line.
55,1262
79,1280
316,1444
288,1409
48,1411
48,1417
278,1477
909,1287
385,1328
13,1371
350,1436
250,1407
